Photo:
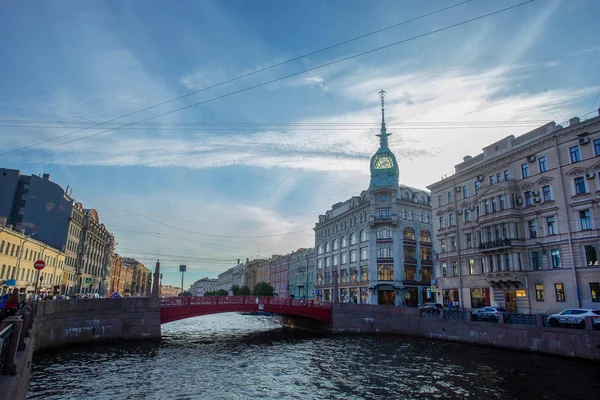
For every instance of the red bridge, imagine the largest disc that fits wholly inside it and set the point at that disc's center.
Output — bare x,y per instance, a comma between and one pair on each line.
176,308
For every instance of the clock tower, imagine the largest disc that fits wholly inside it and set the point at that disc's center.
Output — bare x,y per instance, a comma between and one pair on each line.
384,168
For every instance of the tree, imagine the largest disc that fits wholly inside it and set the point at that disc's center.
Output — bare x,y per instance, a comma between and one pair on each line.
221,292
263,289
209,293
236,290
244,291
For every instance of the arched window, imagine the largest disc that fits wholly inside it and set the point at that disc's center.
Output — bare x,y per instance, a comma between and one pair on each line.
384,233
327,249
410,215
364,236
335,244
425,237
423,199
427,218
409,234
344,241
420,217
403,213
352,239
406,195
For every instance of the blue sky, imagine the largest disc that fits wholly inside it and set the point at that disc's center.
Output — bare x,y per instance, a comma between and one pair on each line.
214,193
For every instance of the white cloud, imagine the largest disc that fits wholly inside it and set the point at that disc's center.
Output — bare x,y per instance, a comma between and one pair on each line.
314,79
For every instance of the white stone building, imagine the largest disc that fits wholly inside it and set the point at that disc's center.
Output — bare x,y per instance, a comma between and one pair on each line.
519,225
376,248
204,285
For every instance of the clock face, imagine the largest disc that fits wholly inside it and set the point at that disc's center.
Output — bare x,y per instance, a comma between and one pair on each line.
383,162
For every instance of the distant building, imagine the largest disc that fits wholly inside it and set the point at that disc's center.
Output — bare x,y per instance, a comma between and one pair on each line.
121,276
255,272
278,275
169,291
376,248
518,225
301,273
141,282
204,285
233,276
41,209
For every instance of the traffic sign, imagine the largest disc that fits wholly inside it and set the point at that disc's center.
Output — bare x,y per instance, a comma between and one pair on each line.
39,265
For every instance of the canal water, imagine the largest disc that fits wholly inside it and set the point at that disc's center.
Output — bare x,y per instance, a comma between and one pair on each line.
231,356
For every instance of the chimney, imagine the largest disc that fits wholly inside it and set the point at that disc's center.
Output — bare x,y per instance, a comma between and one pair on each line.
466,158
238,260
573,121
46,176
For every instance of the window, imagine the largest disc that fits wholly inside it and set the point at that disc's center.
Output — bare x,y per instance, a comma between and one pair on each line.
560,292
441,222
471,266
585,219
440,201
444,269
580,185
575,155
385,272
525,170
543,164
409,234
363,253
449,197
546,193
403,213
425,254
535,259
451,220
384,251
364,236
344,257
352,239
443,245
382,213
465,190
555,254
364,274
502,203
486,206
528,198
327,248
539,292
506,175
344,241
335,260
468,241
476,185
499,177
532,225
494,204
335,244
425,237
492,179
452,244
590,255
595,289
454,268
384,233
410,252
597,146
467,214
426,218
507,261
551,225
352,256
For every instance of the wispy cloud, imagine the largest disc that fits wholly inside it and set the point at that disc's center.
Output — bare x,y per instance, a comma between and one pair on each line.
317,80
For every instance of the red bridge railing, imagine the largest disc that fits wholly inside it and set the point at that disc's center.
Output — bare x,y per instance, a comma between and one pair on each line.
222,300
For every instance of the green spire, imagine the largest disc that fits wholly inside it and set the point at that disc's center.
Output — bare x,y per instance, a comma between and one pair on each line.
383,135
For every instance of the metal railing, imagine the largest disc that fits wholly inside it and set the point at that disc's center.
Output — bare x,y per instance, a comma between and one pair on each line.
5,337
521,319
494,244
456,314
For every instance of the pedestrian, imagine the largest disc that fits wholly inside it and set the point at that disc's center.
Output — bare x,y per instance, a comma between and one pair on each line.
11,305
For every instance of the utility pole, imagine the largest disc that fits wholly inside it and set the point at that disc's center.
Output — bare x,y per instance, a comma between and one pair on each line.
182,269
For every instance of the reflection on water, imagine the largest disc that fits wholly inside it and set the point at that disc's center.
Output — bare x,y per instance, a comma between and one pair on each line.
230,356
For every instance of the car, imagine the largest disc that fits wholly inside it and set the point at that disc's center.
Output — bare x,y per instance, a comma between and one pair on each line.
489,314
432,307
574,316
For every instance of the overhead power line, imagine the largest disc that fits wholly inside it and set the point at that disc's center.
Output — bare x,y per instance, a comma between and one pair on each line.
245,75
286,76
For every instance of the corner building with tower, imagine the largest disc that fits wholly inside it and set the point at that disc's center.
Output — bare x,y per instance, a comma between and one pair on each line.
376,248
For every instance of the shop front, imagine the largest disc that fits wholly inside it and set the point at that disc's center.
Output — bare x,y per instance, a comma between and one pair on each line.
450,297
386,295
428,294
411,296
480,297
510,291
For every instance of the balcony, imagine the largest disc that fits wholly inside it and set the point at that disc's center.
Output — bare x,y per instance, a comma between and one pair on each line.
495,245
383,219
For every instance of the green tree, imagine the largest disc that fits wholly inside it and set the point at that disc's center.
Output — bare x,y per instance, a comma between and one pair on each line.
244,291
209,293
236,290
263,289
221,292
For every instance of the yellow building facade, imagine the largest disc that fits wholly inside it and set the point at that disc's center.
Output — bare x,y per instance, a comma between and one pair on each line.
19,252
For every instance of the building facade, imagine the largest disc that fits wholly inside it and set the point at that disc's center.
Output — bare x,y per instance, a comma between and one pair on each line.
301,273
278,275
169,291
518,226
18,253
233,276
141,279
121,276
204,285
376,248
256,271
96,246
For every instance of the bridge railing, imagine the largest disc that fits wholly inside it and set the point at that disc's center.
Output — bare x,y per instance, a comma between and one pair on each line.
217,300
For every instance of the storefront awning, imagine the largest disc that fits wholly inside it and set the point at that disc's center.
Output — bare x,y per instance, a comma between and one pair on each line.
506,280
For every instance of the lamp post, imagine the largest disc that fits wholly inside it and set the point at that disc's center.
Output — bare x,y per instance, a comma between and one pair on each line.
160,287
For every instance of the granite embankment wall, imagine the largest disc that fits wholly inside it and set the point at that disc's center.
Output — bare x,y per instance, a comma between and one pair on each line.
63,322
577,343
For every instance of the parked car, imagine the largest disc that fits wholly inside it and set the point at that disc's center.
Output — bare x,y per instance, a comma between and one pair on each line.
574,316
432,307
490,314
